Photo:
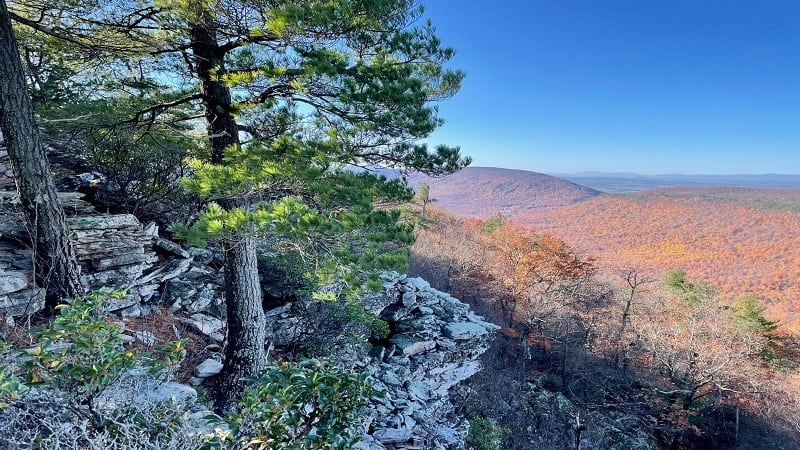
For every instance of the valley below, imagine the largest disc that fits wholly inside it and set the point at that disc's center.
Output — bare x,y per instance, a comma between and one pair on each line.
742,239
664,318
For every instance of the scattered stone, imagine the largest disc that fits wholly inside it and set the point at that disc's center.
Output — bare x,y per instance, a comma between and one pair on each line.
146,338
392,435
464,330
208,368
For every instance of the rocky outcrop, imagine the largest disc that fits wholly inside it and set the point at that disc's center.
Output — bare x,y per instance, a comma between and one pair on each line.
434,344
421,363
113,251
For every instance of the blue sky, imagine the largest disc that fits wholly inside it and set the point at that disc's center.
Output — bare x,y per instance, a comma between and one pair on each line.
646,86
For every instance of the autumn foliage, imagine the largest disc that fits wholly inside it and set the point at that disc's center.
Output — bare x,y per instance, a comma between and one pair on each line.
663,353
743,240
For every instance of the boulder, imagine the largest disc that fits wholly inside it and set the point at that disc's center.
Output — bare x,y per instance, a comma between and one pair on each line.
13,281
208,368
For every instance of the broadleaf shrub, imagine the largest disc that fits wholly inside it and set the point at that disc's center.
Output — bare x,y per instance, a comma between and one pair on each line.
308,405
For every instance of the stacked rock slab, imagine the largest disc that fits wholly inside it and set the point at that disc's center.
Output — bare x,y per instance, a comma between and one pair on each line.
114,251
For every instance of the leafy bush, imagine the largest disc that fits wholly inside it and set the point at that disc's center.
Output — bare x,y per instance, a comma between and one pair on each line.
80,353
10,386
309,405
485,434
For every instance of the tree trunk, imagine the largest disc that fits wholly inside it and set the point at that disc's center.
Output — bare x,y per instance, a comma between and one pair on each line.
244,354
209,61
56,267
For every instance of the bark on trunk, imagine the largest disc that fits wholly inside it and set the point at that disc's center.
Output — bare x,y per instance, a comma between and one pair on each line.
209,61
244,354
56,266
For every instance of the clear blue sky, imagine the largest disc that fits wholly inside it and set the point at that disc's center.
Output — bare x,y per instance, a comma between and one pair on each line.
647,86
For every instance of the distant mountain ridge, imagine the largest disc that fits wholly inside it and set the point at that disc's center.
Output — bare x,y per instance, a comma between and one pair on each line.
632,182
485,191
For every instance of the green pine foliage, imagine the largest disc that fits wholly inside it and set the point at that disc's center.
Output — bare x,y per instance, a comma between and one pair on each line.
485,434
750,315
691,292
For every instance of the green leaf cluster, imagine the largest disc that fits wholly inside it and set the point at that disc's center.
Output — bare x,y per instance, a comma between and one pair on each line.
308,405
81,353
691,292
485,434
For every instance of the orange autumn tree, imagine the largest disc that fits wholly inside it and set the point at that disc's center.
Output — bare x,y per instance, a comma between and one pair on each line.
537,278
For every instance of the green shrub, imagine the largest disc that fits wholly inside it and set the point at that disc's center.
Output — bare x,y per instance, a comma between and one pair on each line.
10,386
81,353
485,434
309,405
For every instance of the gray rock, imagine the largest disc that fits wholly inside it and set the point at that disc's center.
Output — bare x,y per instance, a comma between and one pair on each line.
417,283
391,379
419,390
104,222
168,272
460,331
217,338
130,312
411,346
22,303
409,298
168,392
203,323
208,368
146,338
137,387
171,247
201,301
393,435
14,281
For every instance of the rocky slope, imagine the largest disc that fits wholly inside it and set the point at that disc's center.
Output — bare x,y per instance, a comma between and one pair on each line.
173,291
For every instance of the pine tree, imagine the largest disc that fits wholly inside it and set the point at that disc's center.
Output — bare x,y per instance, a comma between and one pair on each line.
295,94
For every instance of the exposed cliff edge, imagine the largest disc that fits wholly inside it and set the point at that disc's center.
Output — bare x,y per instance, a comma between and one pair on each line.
434,343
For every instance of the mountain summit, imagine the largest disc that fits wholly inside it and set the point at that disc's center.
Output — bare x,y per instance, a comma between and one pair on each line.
485,191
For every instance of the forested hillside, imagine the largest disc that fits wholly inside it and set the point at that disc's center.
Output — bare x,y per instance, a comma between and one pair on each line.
743,240
485,191
634,361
